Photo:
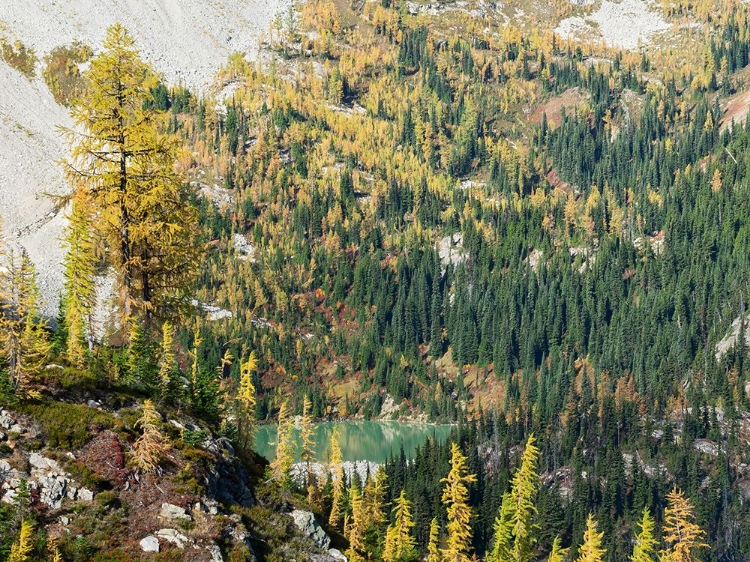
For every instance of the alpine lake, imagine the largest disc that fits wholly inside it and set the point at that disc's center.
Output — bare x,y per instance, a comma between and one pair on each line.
374,441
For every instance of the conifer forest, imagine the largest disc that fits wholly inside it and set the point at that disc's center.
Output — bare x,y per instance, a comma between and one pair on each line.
401,214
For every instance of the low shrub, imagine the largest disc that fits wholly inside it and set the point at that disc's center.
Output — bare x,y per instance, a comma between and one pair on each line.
20,57
62,71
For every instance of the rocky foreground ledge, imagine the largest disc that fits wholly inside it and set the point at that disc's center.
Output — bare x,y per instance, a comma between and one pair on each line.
70,464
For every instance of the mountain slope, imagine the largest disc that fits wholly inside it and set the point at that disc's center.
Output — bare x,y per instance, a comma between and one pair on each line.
185,41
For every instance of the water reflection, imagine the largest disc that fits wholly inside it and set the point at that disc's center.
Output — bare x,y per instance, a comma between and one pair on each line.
359,440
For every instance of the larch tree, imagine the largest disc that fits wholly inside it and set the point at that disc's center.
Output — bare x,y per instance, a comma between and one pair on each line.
246,402
336,470
433,546
21,550
24,341
307,437
682,535
514,526
374,504
167,360
456,499
79,290
645,542
400,545
149,448
355,531
126,165
558,553
591,549
282,463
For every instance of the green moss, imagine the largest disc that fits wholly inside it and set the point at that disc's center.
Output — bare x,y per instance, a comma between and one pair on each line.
68,426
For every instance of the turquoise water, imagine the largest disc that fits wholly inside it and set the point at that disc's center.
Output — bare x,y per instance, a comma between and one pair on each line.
360,440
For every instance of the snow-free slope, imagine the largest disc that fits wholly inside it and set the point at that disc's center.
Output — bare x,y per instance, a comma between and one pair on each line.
186,40
30,147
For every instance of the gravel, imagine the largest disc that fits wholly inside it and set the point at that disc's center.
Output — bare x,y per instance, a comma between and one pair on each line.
624,24
185,40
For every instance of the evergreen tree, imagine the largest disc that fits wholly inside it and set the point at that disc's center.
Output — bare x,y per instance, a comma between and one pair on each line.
456,500
79,270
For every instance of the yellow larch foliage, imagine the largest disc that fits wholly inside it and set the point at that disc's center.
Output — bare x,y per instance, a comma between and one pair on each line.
680,532
456,499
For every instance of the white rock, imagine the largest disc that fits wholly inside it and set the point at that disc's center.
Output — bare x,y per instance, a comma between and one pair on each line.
41,463
173,536
308,526
85,495
150,544
337,555
215,553
5,420
171,511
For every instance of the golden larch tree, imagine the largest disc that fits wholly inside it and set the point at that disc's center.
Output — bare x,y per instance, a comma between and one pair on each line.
282,463
433,546
514,526
24,340
336,470
126,165
246,402
20,551
456,499
167,359
682,535
79,290
356,528
150,447
400,545
645,542
591,550
558,553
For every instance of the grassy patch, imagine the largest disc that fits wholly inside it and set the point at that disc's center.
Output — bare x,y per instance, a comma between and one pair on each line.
67,426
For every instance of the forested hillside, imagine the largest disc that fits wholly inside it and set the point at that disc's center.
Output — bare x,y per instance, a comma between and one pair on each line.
416,213
543,236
